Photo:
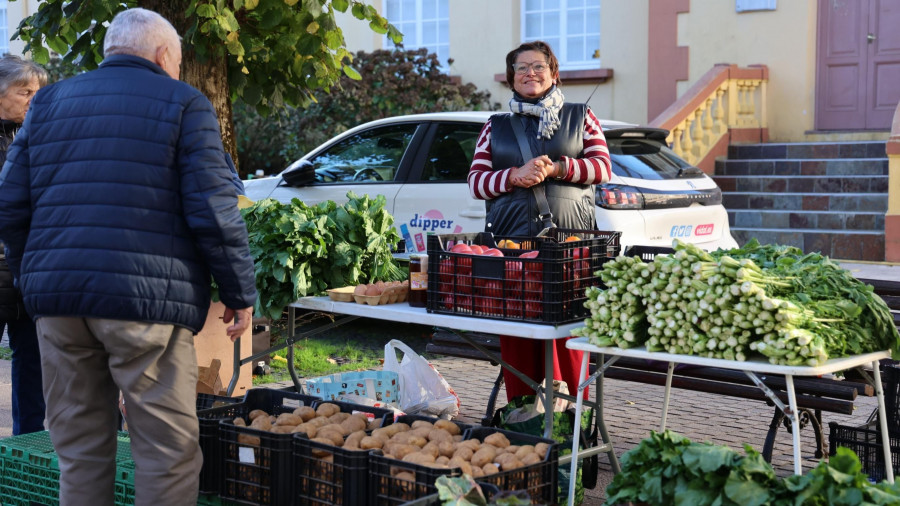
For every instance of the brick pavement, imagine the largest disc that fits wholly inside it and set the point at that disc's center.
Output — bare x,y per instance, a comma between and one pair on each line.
632,410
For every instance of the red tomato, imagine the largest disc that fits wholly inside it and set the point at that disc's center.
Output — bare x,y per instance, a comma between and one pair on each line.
533,310
477,249
494,252
514,308
446,271
462,248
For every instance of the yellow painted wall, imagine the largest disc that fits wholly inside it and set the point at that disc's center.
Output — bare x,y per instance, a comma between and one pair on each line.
15,13
783,39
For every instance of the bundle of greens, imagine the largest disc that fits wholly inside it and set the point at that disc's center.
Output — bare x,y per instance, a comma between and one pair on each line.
300,250
667,468
794,308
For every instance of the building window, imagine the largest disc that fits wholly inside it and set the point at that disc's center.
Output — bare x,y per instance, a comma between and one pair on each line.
423,23
4,30
754,5
571,27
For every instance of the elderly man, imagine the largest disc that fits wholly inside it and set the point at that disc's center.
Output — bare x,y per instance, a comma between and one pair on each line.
116,203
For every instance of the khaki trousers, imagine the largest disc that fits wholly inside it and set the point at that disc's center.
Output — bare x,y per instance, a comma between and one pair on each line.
86,362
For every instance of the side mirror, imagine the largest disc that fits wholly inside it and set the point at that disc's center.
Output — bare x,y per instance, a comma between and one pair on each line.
302,173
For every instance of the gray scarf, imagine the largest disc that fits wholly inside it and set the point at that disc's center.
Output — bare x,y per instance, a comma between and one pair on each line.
547,109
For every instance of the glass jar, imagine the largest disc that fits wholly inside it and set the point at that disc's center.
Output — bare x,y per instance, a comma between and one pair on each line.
418,280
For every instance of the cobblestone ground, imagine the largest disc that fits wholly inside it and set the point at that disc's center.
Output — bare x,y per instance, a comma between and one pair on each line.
632,410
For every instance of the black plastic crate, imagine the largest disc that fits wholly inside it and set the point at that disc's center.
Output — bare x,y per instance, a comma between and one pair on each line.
210,442
890,382
548,288
209,401
341,477
647,253
388,487
540,480
866,442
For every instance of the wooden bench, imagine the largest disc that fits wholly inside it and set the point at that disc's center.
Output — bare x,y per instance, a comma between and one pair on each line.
814,395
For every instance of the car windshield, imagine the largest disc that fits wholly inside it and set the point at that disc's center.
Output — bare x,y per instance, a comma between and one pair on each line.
647,159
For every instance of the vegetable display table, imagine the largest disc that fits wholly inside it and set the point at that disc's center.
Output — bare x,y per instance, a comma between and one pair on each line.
750,368
404,313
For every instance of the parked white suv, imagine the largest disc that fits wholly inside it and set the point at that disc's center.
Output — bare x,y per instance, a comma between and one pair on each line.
420,162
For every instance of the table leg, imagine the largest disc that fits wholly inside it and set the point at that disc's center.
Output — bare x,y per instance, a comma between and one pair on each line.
882,424
548,388
665,409
579,404
795,421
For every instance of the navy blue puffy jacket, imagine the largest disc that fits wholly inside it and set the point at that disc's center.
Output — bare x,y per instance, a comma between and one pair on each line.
116,201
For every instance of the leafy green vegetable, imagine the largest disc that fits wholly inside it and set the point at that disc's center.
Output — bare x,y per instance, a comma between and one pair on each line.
667,468
464,491
300,250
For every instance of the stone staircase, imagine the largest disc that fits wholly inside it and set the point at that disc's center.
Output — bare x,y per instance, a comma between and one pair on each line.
828,197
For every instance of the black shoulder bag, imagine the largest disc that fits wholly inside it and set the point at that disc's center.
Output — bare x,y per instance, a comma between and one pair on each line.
539,195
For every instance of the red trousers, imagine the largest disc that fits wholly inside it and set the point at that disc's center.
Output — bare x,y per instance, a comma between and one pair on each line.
527,356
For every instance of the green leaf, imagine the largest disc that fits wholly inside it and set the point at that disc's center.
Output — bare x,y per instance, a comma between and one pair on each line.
359,10
352,73
250,4
271,18
206,11
58,44
252,94
40,54
340,5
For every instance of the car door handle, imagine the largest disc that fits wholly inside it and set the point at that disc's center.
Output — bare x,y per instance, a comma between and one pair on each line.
473,214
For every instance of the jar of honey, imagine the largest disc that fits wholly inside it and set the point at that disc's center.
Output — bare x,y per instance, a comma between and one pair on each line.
418,280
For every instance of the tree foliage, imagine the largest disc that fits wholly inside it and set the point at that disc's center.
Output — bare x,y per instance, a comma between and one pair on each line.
278,52
393,82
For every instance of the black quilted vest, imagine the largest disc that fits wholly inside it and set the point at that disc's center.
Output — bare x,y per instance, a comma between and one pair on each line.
516,213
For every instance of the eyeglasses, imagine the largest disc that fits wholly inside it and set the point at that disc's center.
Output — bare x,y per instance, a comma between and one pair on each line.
537,67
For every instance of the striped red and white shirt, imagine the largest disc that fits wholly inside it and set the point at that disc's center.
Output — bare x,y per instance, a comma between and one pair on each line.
486,182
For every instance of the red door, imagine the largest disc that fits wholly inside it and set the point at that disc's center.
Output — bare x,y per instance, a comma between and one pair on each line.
858,64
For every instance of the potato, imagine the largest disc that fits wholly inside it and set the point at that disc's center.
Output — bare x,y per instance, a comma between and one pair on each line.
541,449
352,441
431,449
335,427
256,413
463,465
306,412
474,444
245,439
442,460
409,438
422,423
420,458
353,424
501,457
401,450
319,421
457,439
484,456
511,449
289,419
327,409
371,443
511,463
463,452
477,472
497,439
382,433
439,435
405,475
448,426
339,417
336,437
490,469
318,452
261,423
531,458
420,431
446,448
309,429
396,428
282,429
239,422
524,450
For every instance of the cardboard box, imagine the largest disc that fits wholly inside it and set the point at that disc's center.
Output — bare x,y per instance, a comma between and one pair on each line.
212,343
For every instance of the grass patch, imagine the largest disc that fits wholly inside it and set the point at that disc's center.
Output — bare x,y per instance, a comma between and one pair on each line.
5,353
317,358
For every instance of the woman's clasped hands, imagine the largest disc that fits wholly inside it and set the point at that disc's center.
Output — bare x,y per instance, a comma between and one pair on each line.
532,172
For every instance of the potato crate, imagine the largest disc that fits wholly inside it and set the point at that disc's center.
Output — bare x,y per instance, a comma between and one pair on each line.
29,468
258,467
539,280
395,482
210,444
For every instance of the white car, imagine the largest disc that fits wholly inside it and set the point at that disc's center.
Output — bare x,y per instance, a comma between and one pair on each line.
420,162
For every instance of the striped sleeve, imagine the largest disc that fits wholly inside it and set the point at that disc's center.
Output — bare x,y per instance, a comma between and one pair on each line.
594,167
484,182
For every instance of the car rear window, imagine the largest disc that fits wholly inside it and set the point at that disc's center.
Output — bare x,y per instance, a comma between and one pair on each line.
648,159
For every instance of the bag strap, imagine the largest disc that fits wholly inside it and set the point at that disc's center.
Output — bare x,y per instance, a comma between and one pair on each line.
539,194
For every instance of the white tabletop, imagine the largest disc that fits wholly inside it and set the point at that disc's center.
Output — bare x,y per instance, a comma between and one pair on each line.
402,312
754,365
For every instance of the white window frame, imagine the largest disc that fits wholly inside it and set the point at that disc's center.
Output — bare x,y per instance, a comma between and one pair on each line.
561,48
4,27
413,40
754,5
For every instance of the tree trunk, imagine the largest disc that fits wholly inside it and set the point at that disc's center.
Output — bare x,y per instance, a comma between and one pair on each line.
210,76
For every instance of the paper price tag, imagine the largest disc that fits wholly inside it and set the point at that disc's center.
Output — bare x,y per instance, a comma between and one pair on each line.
247,455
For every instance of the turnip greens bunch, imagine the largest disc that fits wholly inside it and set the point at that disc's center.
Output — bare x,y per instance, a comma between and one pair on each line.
794,308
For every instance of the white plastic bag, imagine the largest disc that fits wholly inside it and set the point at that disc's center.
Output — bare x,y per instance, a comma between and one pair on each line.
422,389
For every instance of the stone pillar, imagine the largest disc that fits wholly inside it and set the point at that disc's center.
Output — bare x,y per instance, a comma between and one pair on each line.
892,217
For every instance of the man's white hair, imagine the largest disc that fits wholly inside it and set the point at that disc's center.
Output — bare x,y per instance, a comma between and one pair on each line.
138,32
